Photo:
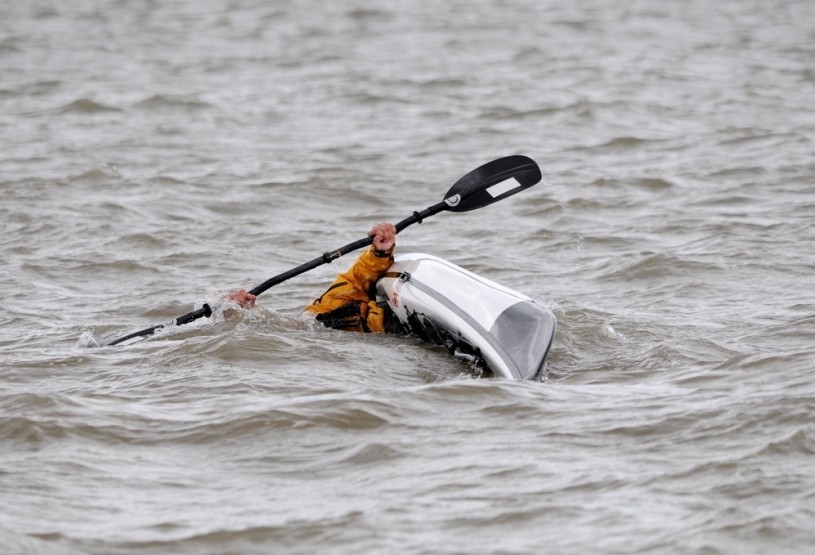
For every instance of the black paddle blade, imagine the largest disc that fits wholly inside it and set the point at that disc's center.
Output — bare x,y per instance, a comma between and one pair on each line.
492,182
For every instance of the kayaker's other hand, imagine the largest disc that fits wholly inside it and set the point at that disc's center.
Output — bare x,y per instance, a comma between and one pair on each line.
243,298
384,235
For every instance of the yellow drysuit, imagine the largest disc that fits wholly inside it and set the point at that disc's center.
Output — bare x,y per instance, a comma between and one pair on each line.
350,302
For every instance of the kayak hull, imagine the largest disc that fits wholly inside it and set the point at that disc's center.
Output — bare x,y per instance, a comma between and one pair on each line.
476,319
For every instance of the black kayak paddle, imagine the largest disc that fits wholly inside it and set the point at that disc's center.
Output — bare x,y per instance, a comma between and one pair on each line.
481,187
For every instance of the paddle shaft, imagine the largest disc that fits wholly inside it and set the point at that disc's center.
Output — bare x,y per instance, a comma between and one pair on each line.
326,258
203,312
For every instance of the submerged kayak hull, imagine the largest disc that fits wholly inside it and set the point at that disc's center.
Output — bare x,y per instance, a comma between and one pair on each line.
475,318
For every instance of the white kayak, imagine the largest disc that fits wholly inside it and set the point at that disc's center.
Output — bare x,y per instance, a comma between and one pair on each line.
476,319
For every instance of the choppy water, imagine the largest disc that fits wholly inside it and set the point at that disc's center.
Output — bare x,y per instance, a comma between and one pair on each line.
157,153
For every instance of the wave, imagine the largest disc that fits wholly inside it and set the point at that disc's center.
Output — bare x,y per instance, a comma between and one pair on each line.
619,143
800,442
173,102
15,542
11,45
38,419
103,172
650,265
369,14
87,106
295,533
645,183
510,113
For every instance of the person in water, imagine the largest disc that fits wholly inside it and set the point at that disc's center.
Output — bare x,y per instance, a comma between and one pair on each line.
350,301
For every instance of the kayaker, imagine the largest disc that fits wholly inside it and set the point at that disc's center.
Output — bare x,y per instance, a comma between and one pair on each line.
350,302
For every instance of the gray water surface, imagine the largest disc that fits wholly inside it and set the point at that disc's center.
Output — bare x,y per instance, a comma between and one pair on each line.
157,154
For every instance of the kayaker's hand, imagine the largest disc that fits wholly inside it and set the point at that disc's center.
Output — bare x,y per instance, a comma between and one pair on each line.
384,235
243,298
